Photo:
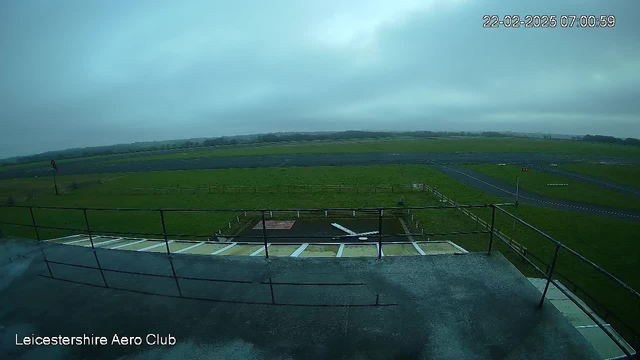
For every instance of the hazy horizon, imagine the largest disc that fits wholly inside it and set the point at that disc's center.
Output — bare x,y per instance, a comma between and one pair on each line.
93,73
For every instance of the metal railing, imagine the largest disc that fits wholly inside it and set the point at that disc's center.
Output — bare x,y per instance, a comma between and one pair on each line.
490,229
232,189
550,271
264,237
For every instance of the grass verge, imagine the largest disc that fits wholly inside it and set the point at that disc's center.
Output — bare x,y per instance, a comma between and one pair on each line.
622,174
536,181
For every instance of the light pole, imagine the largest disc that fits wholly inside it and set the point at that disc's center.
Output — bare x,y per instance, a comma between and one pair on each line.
517,196
54,168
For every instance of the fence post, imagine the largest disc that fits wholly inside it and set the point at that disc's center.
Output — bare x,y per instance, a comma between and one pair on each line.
550,275
264,236
166,243
493,221
379,234
93,248
273,299
164,232
35,227
86,221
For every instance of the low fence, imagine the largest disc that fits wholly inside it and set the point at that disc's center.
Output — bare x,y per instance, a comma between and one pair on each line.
222,189
479,222
629,332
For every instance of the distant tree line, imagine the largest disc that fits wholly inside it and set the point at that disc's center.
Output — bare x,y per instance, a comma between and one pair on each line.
611,140
278,138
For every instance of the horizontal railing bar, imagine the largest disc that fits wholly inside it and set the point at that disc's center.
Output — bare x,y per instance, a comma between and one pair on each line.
205,279
602,327
573,252
237,210
220,301
528,225
288,236
605,272
16,224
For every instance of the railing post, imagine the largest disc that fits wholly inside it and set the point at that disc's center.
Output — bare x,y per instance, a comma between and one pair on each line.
166,243
86,221
264,236
493,222
379,234
33,219
35,227
93,248
273,299
550,275
164,232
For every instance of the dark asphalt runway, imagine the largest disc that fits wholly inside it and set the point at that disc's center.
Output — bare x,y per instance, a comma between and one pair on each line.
95,167
508,192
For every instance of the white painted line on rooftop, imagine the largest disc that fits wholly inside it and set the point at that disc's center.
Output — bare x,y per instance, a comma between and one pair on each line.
418,248
590,326
106,242
64,237
223,249
76,241
458,247
188,248
259,250
340,250
129,244
299,250
155,246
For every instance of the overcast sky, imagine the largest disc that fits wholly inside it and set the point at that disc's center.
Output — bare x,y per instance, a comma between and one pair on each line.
83,73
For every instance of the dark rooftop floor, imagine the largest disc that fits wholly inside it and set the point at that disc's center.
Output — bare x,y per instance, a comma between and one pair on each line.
431,307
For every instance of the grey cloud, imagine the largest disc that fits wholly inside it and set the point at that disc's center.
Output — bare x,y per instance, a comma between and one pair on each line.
81,73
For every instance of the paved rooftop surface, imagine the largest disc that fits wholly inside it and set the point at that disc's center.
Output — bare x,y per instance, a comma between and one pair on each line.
430,307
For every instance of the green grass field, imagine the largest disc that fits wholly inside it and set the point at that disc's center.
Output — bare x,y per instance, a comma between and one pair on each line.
59,162
622,174
23,188
394,145
416,145
536,181
608,242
